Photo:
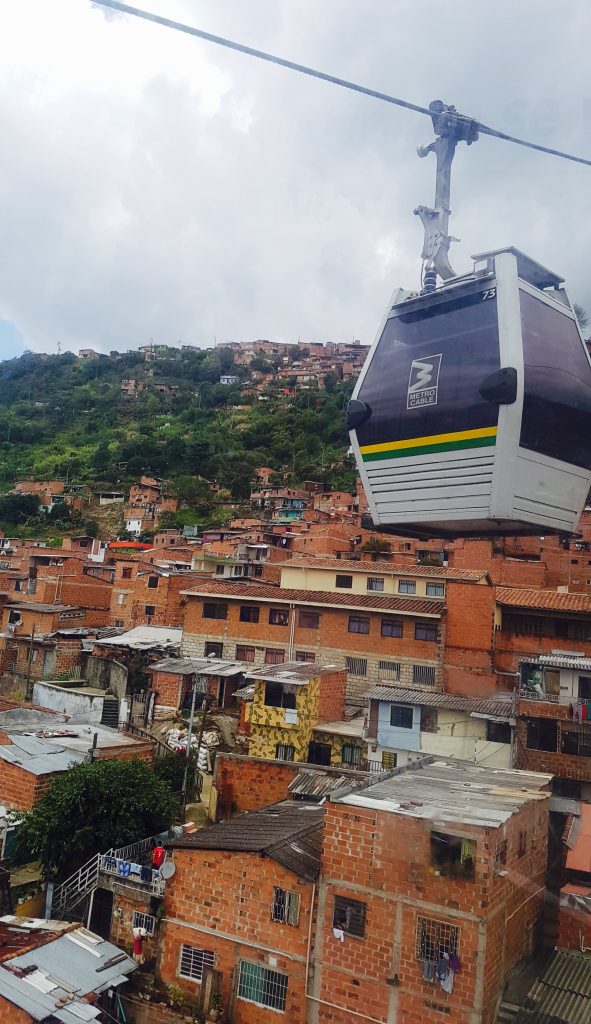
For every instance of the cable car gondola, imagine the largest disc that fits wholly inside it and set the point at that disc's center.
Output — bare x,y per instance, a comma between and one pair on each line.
472,414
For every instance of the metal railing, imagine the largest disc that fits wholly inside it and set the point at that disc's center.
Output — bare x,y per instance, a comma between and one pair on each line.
71,892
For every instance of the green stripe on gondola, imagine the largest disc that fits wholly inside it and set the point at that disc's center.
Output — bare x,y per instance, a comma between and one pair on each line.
429,449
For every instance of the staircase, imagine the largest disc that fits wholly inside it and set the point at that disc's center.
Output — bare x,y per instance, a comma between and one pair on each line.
508,1013
110,715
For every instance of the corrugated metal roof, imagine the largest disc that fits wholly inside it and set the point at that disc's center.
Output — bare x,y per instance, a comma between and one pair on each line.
198,666
543,599
315,785
563,993
298,672
562,661
38,756
565,805
144,637
285,831
501,708
430,607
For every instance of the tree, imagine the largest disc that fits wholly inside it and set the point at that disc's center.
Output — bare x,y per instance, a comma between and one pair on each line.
18,508
91,808
582,316
374,546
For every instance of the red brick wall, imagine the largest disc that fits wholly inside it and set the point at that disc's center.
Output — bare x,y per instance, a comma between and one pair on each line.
469,625
574,927
331,705
142,751
231,894
247,784
20,789
171,688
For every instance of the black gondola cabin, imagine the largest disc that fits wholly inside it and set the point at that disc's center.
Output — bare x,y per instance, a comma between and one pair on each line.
472,414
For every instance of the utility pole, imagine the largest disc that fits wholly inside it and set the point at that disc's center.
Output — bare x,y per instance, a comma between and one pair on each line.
188,748
28,693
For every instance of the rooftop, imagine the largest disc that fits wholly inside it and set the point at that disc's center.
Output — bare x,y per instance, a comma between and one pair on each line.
25,933
552,600
429,607
145,637
578,857
562,995
298,672
198,666
289,832
352,728
50,981
385,568
47,747
497,707
38,606
446,791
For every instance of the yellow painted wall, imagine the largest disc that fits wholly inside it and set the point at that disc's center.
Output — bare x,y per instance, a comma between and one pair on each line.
337,743
312,578
268,725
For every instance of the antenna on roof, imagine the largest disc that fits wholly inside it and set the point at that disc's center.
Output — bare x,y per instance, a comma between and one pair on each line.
450,128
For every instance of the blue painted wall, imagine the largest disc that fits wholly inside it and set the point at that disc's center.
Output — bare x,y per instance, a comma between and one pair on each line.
392,736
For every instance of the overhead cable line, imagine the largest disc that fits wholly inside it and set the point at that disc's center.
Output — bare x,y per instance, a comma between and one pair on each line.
302,69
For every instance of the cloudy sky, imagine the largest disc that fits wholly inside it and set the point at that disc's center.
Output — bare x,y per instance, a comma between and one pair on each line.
155,186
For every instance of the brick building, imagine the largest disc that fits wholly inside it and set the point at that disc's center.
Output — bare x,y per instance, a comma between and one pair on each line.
240,906
471,888
148,593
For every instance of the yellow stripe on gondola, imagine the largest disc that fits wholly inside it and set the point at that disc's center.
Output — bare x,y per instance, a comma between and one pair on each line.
420,442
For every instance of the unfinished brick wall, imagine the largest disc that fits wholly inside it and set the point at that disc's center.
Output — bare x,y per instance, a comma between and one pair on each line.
222,902
331,703
249,783
469,625
20,789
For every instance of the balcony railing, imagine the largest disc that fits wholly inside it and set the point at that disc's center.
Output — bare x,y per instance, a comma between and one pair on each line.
126,865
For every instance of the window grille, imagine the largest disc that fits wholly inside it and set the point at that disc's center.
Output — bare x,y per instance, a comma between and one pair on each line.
401,716
423,673
391,627
435,590
575,739
375,583
286,906
259,985
390,668
358,624
193,961
435,938
351,755
356,666
284,752
349,915
389,760
146,921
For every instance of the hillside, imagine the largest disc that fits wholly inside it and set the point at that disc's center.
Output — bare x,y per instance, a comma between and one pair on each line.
66,417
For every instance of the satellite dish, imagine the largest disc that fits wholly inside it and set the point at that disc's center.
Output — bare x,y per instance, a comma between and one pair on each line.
168,869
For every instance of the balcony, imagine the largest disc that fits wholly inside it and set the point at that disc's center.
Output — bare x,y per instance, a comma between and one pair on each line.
126,865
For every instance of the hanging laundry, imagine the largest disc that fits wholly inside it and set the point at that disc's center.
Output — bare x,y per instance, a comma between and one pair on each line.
455,963
428,971
139,934
339,934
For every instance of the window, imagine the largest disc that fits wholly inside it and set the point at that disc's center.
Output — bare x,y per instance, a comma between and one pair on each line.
541,734
219,570
435,938
575,739
429,721
344,582
498,732
259,985
278,617
119,623
244,653
356,666
500,856
407,587
401,716
144,921
307,656
284,752
522,843
277,697
426,631
286,906
391,669
452,856
435,590
31,586
424,674
249,613
349,915
351,755
358,624
193,961
126,573
308,619
375,583
150,609
213,649
152,582
274,656
215,610
389,760
391,627
520,626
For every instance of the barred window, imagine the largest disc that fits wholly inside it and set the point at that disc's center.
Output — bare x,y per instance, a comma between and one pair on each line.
259,985
435,589
520,626
576,740
356,666
434,938
390,669
284,752
349,915
351,755
401,716
286,906
407,587
375,583
423,674
391,627
193,962
389,760
146,921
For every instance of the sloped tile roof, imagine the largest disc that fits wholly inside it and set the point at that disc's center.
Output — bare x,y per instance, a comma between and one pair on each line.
544,599
389,568
287,595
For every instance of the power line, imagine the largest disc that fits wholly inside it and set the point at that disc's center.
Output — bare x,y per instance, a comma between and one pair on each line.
302,69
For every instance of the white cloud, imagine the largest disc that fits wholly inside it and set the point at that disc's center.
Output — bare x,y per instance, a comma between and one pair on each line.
155,186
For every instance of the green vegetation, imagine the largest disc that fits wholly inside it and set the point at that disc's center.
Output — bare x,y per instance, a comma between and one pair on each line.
91,808
66,418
